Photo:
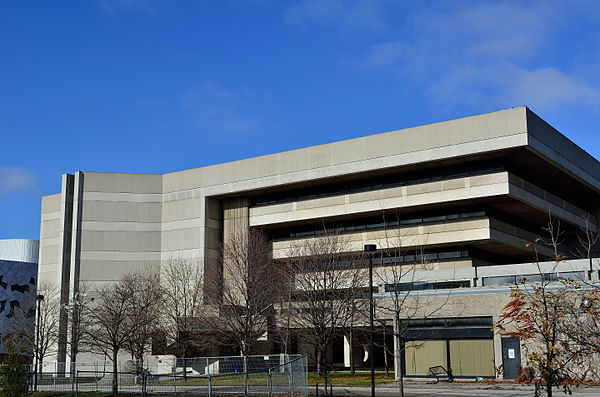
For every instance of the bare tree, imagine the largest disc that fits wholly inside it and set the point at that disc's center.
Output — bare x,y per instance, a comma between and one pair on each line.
285,309
183,285
400,260
27,327
328,278
109,311
78,340
145,311
248,289
588,240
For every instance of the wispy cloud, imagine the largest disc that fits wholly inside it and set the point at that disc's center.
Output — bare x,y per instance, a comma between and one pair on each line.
340,14
500,53
16,179
113,6
217,110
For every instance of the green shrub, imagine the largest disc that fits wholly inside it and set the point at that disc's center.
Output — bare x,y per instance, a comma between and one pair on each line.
13,371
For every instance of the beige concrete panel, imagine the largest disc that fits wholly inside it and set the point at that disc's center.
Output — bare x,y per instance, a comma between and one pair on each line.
188,224
447,232
51,203
328,201
122,183
196,253
125,197
47,277
121,211
368,165
530,268
453,138
50,229
120,241
49,254
120,256
182,239
50,241
183,180
452,184
182,209
113,270
50,216
376,201
121,226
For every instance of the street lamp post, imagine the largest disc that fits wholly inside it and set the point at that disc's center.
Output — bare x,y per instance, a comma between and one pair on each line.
370,248
39,299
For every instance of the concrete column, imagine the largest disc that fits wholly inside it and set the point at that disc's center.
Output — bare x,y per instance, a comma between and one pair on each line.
64,261
235,225
347,351
74,267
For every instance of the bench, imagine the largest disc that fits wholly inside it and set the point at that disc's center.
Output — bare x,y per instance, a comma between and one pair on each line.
440,372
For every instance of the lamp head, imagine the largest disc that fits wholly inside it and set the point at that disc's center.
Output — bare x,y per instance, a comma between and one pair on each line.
370,248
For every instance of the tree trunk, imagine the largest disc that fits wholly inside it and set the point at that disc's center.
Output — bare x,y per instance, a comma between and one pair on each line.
385,354
115,382
351,343
184,365
398,355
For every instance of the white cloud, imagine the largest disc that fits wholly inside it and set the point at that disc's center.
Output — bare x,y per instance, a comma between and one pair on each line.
16,179
215,109
388,53
342,14
505,84
499,53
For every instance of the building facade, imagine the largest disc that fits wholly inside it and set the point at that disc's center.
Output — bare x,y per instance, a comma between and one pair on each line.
468,192
18,275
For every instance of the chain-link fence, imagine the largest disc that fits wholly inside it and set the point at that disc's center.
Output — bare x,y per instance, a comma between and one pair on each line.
208,376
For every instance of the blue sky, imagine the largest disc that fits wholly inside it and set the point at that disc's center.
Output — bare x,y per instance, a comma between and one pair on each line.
161,86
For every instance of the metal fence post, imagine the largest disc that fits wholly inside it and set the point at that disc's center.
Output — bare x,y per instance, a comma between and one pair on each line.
209,379
270,384
72,374
96,375
175,375
291,378
245,375
76,382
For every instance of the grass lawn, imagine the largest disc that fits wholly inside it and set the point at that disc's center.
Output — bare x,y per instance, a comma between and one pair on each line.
258,379
347,379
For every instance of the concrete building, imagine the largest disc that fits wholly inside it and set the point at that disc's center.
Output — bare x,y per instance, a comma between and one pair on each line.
469,191
18,274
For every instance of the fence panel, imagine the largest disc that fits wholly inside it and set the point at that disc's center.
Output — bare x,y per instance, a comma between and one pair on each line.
272,375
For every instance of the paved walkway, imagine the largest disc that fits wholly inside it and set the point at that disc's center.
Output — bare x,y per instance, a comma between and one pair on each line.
474,389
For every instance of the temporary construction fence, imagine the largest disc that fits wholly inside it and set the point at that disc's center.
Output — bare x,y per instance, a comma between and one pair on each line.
270,375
